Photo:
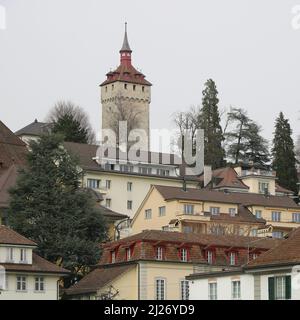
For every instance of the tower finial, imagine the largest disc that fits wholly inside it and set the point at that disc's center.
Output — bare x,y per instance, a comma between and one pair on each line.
125,47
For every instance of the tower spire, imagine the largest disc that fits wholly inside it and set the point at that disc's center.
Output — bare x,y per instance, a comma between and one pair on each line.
125,47
125,51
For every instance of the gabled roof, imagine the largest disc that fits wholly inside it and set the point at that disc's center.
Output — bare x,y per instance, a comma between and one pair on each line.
34,129
285,253
97,279
9,236
8,137
246,199
39,264
226,177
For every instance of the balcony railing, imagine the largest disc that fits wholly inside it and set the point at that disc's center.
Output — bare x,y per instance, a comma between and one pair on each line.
258,172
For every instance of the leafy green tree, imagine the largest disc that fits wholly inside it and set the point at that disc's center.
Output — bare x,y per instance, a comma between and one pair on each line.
49,207
209,120
284,159
244,141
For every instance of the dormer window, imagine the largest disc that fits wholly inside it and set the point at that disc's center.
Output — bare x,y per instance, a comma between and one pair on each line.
159,253
128,254
23,255
210,256
232,212
113,256
183,254
232,258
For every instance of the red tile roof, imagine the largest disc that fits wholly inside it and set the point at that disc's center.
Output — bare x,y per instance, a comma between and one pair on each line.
126,73
198,239
287,252
9,236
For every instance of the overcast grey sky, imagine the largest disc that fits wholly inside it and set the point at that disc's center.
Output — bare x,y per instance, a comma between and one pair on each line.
62,49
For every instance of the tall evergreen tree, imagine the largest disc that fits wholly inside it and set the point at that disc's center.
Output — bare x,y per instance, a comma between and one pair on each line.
49,207
70,129
244,141
284,159
209,120
72,122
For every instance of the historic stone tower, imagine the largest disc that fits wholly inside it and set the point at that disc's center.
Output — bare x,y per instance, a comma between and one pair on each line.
126,95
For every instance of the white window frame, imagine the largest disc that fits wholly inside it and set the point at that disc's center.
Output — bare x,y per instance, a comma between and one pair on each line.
129,204
183,255
236,289
10,254
184,290
23,255
296,217
128,254
160,289
129,186
232,258
232,212
148,214
93,183
215,211
188,208
276,216
159,253
21,283
39,281
212,291
210,257
162,211
108,184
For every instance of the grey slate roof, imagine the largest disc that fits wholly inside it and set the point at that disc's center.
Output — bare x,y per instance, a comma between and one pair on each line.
35,129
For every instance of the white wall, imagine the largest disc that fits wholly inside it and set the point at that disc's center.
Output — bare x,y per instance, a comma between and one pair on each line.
11,293
16,254
199,288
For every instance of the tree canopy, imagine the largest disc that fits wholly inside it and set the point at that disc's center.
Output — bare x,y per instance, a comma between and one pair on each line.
49,207
283,152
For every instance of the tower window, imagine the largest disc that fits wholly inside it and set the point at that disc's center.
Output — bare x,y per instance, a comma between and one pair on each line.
125,86
143,89
106,89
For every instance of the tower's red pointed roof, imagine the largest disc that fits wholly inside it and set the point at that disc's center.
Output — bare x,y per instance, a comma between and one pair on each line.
126,71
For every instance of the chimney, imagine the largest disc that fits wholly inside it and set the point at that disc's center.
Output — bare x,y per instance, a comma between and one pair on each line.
207,175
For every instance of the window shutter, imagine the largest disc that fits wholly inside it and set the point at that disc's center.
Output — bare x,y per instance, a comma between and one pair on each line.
288,291
271,282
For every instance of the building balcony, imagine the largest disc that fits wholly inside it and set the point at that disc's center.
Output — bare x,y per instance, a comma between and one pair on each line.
195,217
257,172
